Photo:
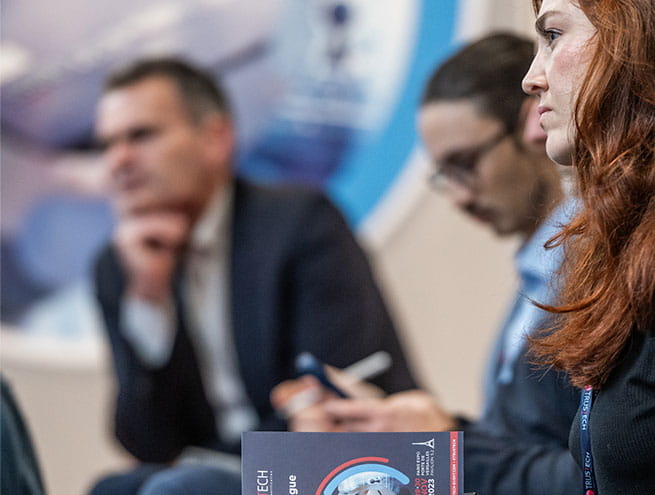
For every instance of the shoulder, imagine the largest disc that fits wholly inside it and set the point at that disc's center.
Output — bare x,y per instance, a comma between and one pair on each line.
641,347
281,194
107,263
294,218
286,202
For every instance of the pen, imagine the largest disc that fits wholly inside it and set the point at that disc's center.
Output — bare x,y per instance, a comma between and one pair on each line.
362,370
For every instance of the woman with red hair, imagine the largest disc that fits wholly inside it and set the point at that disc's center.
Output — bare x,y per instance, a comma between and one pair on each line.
594,75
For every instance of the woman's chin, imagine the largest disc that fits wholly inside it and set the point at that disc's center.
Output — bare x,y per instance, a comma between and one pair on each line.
559,150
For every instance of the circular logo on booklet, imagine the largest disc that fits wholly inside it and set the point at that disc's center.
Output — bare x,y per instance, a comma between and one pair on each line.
362,476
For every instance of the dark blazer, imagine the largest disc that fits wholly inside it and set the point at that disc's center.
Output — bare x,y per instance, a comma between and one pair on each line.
299,282
520,443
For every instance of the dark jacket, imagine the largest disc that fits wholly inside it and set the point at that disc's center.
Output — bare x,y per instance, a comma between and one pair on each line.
299,282
520,445
622,423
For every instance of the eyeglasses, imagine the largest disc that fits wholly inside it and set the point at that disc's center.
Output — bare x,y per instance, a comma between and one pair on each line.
460,166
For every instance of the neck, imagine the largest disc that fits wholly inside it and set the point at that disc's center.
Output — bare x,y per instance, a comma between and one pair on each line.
205,199
547,195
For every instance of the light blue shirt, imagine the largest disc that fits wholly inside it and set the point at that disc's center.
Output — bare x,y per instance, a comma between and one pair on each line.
536,268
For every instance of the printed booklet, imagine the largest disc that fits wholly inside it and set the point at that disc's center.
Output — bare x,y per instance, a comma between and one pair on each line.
276,463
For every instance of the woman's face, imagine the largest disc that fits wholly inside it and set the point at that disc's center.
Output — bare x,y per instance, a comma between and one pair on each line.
564,49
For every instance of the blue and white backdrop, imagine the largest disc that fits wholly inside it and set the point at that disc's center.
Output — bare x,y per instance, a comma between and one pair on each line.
324,92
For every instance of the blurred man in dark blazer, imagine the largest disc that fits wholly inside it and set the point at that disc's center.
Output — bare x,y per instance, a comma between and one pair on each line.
213,285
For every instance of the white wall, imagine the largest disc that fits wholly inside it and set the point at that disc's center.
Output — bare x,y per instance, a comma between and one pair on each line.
448,282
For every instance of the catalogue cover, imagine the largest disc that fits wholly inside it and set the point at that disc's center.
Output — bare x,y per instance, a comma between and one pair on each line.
276,463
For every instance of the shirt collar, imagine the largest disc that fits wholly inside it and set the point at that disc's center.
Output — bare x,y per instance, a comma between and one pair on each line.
533,261
210,232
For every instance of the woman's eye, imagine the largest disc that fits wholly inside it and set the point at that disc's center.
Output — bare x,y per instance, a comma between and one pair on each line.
551,36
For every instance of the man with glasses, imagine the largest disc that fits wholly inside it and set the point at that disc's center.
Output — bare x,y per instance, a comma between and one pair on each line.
476,125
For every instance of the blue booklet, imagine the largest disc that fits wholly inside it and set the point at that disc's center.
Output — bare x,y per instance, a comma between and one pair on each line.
276,463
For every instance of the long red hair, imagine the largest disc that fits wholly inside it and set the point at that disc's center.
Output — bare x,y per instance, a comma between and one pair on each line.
608,288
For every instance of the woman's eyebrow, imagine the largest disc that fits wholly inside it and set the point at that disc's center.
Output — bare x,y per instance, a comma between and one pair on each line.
540,23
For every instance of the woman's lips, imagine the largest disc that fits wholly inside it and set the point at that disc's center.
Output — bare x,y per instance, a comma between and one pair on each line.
543,112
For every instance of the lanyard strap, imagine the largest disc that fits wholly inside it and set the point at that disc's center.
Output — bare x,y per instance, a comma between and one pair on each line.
589,480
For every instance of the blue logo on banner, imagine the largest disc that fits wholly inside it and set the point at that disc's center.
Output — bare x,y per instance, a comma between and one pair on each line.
353,73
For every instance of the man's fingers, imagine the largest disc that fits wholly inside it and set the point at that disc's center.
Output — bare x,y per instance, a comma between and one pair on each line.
301,401
357,416
353,409
149,245
292,396
155,231
352,385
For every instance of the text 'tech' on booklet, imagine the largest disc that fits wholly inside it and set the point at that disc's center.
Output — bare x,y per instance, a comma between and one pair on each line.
276,463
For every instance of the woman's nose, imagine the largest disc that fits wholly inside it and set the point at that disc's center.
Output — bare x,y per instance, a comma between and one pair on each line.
534,82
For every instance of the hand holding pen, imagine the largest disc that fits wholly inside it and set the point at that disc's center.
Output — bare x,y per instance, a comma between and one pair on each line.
314,402
319,382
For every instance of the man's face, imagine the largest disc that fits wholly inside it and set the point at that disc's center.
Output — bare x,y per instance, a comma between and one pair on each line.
155,155
484,172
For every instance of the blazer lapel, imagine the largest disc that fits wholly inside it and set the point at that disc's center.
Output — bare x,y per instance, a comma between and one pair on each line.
250,338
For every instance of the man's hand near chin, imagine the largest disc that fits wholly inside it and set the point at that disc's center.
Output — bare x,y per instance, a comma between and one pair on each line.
149,243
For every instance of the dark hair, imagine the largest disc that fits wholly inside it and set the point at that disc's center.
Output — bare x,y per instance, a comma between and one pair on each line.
488,72
200,91
609,272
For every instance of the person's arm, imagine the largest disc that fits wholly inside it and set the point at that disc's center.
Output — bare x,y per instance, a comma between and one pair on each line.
339,314
331,304
149,328
148,423
492,463
319,410
20,468
148,246
412,410
520,445
510,464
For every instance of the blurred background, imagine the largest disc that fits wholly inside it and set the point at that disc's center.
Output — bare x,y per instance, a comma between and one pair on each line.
324,92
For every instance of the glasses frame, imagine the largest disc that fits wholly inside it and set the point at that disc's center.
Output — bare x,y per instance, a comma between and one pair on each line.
445,173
